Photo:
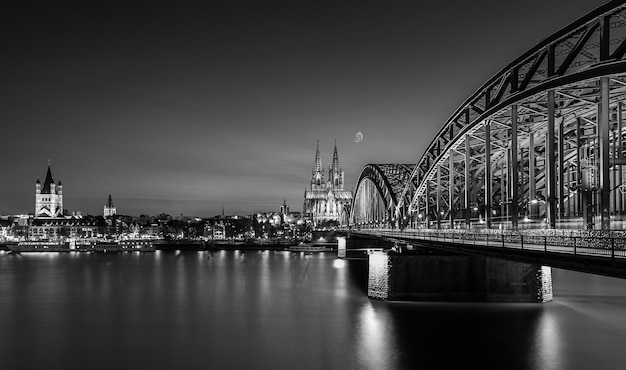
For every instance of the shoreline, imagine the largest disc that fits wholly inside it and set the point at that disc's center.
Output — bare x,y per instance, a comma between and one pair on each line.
184,246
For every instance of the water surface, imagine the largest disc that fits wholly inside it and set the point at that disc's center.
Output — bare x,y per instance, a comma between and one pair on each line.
282,310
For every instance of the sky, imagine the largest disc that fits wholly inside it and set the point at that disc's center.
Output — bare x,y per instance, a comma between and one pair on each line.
186,111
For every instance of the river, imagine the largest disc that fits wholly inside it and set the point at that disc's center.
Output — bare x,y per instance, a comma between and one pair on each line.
282,310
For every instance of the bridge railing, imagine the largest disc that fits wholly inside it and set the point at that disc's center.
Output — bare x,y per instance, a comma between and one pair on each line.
601,243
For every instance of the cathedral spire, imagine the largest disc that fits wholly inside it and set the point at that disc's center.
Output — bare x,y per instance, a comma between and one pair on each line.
110,202
317,178
335,165
318,159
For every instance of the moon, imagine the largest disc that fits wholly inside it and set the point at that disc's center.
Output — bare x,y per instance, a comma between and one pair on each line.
358,137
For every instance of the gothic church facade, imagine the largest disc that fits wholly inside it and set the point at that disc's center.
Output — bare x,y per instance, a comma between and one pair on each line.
48,198
327,200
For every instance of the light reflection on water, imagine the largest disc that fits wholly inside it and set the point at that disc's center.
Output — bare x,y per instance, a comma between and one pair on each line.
547,343
375,345
282,310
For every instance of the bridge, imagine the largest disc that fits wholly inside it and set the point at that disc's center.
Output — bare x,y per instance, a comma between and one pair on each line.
531,167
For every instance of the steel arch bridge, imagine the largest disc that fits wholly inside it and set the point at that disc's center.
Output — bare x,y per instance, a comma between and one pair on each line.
377,193
541,143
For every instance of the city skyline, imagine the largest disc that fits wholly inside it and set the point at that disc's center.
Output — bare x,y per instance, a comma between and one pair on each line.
185,112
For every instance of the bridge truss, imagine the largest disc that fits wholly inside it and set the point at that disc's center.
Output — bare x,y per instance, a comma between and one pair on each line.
541,143
376,196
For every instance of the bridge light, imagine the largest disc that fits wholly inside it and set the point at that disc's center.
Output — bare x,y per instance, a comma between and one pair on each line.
475,209
420,215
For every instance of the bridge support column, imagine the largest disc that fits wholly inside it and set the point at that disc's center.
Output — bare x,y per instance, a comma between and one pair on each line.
585,200
603,136
618,194
561,171
439,209
428,277
341,247
468,194
488,196
515,169
451,206
427,205
550,165
532,190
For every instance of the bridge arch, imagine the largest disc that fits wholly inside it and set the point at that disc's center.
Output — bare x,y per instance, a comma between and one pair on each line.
540,144
377,192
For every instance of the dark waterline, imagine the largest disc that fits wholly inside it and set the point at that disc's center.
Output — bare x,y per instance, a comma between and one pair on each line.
282,310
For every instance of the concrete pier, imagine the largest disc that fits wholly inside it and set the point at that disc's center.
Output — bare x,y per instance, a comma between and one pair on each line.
419,276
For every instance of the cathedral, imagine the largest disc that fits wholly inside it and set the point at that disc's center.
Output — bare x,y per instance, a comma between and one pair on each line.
327,200
48,198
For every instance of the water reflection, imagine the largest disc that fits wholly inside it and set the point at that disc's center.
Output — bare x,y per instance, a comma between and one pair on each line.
339,263
375,346
547,343
282,310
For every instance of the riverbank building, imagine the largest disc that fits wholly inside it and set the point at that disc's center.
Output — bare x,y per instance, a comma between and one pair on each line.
48,198
327,202
109,208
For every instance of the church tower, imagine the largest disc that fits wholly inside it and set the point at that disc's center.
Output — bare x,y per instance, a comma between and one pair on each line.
317,178
109,208
335,174
48,198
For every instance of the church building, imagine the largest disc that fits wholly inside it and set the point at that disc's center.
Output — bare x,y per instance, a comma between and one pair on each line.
48,198
49,219
109,208
327,200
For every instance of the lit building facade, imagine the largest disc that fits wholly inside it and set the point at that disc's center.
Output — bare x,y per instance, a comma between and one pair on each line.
219,231
48,198
326,200
109,208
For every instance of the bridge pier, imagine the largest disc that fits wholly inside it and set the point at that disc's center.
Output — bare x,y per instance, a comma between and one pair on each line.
422,276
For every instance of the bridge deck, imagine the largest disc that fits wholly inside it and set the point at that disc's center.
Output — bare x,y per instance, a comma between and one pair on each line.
605,256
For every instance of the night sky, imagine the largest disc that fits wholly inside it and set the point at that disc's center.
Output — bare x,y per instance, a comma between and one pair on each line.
186,111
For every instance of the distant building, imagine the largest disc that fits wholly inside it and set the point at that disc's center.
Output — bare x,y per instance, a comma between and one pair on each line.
109,208
326,200
5,227
284,209
219,230
48,198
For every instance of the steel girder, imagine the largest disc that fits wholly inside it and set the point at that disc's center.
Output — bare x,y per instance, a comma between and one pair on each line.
506,131
377,192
